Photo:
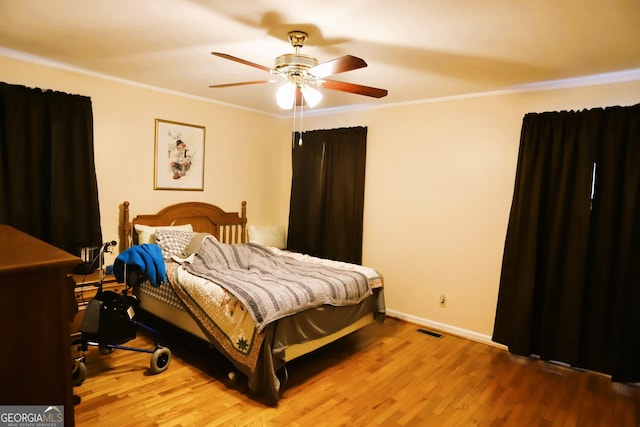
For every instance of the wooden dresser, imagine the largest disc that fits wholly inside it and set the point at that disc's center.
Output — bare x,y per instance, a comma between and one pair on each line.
36,308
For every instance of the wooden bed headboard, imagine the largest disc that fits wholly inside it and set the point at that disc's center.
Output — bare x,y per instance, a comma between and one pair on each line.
228,227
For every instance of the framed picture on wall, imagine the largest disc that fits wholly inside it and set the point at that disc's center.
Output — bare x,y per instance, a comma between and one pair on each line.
179,156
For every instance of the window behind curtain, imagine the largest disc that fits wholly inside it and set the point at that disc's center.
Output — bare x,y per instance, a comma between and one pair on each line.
48,185
327,194
570,283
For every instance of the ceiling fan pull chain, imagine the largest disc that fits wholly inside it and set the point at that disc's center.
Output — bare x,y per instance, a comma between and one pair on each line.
293,137
301,110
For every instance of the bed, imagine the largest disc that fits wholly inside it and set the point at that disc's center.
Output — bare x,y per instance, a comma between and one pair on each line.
257,345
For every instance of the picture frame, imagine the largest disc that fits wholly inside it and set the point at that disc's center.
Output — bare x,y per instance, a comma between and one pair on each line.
179,156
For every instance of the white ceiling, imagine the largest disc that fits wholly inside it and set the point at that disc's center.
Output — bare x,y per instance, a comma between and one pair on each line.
417,49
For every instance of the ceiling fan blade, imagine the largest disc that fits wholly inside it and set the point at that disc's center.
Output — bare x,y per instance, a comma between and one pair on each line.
240,84
338,65
242,61
353,88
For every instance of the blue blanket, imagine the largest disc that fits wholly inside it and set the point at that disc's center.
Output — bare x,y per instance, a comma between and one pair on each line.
147,258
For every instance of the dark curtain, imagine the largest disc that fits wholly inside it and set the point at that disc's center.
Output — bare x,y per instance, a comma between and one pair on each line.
327,194
570,283
48,185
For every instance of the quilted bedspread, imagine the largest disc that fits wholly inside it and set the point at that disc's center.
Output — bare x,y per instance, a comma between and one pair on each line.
220,315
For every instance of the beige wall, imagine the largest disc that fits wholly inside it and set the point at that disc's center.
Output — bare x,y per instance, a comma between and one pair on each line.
246,153
438,188
439,183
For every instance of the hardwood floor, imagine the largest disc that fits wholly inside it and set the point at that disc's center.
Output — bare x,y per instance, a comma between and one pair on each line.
387,375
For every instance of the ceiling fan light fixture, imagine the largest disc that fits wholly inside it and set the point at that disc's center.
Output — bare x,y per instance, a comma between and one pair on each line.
299,71
311,95
286,96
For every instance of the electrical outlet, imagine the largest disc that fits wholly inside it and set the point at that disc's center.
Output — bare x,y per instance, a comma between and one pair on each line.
443,300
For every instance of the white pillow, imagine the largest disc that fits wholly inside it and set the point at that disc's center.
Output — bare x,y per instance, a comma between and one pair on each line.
146,233
195,243
273,236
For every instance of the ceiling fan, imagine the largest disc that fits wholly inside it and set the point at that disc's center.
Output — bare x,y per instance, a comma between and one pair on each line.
301,73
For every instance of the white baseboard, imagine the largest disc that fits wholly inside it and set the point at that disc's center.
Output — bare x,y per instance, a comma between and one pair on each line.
443,327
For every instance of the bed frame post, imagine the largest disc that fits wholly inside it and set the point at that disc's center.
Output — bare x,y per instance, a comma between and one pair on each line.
243,237
126,226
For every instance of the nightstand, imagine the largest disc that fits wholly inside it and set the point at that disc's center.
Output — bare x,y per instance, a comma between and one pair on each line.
86,287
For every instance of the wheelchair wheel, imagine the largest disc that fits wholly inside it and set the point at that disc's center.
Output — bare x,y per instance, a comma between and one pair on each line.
79,374
160,360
